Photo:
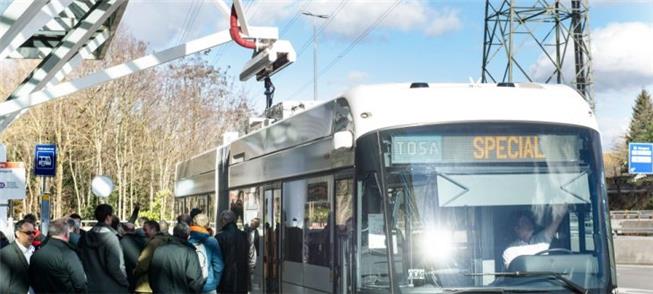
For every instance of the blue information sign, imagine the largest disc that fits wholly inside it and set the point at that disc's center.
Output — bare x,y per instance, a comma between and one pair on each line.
45,160
640,158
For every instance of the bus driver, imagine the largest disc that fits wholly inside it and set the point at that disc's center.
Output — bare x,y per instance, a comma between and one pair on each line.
527,242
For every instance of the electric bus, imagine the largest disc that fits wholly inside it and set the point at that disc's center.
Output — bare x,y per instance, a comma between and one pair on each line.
419,188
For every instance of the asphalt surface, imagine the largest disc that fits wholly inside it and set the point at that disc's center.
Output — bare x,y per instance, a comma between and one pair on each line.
635,277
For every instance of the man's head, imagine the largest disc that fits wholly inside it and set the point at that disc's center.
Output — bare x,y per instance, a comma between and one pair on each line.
164,227
30,218
25,232
184,218
76,220
255,223
524,226
150,228
141,221
115,222
104,213
201,220
227,217
181,231
73,226
194,212
59,229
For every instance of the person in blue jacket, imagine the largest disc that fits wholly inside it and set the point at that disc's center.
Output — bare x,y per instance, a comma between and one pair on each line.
208,253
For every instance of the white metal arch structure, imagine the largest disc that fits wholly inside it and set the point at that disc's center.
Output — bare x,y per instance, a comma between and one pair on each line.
63,32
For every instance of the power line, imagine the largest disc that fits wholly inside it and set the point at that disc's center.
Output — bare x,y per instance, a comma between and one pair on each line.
292,21
187,21
193,18
360,37
351,46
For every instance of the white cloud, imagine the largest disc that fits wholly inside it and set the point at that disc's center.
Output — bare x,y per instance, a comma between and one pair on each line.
613,2
613,113
161,22
357,15
622,64
445,21
268,13
621,57
612,131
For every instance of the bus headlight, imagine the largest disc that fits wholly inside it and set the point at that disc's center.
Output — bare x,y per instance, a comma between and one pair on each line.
437,245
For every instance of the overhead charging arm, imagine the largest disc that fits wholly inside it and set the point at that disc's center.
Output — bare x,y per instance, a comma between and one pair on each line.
270,55
234,31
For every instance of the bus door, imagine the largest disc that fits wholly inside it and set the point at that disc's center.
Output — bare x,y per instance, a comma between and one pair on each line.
344,232
272,237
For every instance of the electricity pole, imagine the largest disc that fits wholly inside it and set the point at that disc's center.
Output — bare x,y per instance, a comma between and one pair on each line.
548,28
322,16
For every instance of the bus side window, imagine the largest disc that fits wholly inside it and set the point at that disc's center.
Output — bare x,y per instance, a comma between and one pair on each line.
316,225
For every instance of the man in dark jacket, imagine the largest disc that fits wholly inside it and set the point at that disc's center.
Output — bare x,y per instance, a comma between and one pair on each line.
15,258
102,256
3,240
175,267
55,268
142,269
235,251
132,245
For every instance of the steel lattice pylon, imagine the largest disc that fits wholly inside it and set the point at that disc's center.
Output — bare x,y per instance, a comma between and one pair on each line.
541,35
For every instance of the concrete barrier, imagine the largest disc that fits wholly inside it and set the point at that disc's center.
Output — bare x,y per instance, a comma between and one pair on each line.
633,250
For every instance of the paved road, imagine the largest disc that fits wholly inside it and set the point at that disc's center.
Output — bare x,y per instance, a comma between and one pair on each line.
635,277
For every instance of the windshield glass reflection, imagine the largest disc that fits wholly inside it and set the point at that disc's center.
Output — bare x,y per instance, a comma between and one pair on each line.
467,202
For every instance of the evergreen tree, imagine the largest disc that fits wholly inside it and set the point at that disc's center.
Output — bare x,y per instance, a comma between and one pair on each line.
641,125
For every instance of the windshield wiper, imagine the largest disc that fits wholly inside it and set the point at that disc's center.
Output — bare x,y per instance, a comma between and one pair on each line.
558,276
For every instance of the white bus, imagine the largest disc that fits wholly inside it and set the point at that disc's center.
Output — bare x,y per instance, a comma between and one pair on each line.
419,188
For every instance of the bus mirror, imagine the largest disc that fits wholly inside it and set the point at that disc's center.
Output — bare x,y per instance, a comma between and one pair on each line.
343,140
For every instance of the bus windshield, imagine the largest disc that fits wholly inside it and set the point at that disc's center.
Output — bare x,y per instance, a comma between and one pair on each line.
468,204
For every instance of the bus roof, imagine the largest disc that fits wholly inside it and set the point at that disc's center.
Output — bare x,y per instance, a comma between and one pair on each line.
393,105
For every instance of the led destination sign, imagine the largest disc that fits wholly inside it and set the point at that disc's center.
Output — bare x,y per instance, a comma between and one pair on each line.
507,147
416,149
485,148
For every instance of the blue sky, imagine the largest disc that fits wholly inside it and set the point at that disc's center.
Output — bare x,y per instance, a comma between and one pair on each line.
432,41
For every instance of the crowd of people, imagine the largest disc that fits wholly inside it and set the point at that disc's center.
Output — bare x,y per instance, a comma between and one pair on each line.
120,257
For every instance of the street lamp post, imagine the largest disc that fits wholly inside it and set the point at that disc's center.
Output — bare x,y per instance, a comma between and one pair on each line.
322,16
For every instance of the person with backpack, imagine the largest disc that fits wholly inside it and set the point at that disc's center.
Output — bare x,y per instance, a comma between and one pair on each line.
208,252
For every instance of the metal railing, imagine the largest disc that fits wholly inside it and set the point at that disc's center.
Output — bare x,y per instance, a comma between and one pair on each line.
632,222
631,214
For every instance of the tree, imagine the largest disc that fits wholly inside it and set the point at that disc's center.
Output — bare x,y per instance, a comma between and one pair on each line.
641,124
616,162
134,130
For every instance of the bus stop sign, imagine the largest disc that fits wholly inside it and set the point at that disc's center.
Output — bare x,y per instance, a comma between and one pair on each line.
45,160
640,158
